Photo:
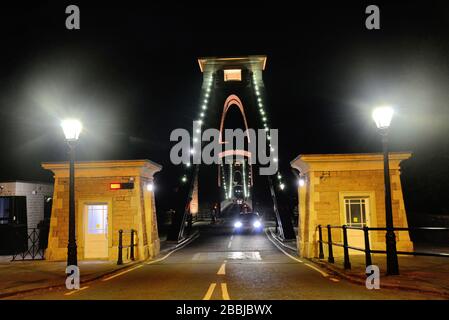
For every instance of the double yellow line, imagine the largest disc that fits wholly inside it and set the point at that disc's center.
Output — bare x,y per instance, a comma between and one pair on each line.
224,291
224,287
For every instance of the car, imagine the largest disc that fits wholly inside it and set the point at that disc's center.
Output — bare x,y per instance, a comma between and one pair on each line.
248,221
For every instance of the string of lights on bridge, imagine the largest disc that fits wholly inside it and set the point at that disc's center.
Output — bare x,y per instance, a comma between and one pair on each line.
206,93
266,126
205,98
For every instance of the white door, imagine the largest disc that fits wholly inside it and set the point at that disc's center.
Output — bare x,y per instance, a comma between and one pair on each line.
357,215
96,231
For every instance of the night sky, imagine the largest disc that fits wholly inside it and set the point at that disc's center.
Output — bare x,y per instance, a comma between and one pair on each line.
131,75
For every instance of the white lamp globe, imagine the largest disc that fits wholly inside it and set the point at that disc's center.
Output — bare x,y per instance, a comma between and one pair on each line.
382,116
72,129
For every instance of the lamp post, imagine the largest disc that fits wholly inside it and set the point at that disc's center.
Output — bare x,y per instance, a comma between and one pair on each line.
72,129
382,117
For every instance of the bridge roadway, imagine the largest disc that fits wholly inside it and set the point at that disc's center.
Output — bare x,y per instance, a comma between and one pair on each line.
222,265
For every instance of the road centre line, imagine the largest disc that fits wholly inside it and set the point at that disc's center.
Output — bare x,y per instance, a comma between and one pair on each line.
224,291
222,270
210,291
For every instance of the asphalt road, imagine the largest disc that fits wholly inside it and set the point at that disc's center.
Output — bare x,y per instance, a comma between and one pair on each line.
222,265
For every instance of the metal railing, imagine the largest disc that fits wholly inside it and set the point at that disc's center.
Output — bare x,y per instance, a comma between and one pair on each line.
29,245
367,249
131,245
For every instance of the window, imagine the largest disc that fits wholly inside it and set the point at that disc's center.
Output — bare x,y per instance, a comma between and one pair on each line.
5,204
355,209
97,216
233,75
13,210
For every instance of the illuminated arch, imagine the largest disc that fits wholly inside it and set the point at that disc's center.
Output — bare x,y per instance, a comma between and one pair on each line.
230,101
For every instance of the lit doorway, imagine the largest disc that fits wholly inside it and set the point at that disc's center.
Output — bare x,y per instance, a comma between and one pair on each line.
357,214
96,231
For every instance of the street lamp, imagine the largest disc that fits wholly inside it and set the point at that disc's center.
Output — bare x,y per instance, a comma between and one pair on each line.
382,117
72,129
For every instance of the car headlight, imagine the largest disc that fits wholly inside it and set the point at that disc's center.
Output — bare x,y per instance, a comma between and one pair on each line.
257,224
237,224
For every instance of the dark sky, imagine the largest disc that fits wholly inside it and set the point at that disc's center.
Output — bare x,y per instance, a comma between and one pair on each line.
131,75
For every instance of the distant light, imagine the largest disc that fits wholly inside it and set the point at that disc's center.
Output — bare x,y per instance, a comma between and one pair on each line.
202,114
195,139
204,107
188,164
275,159
282,186
264,119
200,121
301,182
192,151
382,116
238,224
184,179
271,149
72,129
205,101
198,131
279,176
150,187
207,95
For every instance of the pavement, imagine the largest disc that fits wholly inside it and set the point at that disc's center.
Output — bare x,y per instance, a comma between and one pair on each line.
417,273
23,277
221,264
26,276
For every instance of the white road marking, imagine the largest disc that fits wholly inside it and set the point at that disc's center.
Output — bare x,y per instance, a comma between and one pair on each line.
334,279
224,291
75,291
229,244
121,273
222,270
286,253
150,262
324,274
232,237
210,291
168,254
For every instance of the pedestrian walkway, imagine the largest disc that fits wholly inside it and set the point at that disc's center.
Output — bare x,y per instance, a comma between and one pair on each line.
425,274
22,276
